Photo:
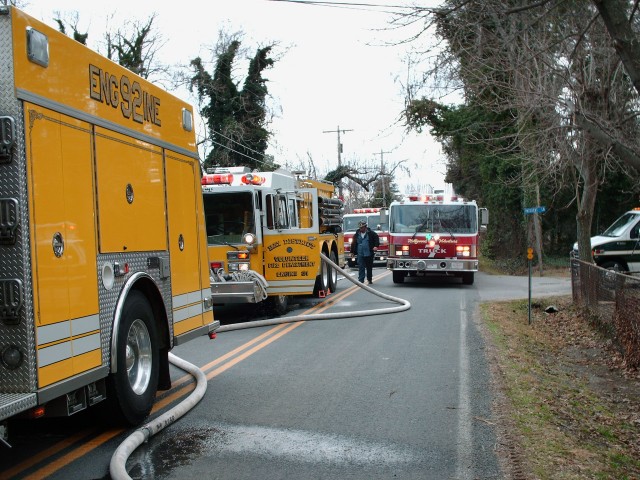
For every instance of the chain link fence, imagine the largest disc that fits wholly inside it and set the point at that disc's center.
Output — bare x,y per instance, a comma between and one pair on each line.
612,301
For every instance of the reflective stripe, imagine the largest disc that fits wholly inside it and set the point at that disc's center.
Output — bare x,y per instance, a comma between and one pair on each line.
54,353
293,283
54,332
85,324
63,330
288,290
189,305
187,298
66,350
85,344
187,312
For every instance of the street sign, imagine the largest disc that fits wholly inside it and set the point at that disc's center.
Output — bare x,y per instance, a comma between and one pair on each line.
530,210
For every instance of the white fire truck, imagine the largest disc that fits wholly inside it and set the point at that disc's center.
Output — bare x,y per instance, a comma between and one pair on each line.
372,217
435,235
103,265
266,231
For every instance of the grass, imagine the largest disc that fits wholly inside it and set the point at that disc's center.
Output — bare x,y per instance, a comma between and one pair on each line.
574,411
520,266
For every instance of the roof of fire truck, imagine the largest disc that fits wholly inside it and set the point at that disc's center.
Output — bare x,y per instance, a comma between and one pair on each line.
278,179
434,199
360,211
243,176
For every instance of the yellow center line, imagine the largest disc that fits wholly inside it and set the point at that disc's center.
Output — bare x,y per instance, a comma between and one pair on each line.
44,454
250,352
78,452
230,354
175,395
270,336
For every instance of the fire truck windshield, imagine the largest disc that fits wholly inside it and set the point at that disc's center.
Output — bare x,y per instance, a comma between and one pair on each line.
229,216
432,218
350,222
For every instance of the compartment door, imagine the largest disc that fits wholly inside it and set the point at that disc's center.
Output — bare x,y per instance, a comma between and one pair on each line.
63,247
187,243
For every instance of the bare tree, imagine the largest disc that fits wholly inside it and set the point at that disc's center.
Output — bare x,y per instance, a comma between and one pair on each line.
549,67
136,46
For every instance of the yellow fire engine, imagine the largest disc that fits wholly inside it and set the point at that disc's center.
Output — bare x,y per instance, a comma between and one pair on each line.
266,231
102,239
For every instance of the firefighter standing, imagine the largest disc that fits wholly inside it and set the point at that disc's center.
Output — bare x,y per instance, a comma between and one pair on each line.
365,243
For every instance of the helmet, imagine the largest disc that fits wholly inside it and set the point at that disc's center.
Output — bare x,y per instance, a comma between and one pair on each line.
362,223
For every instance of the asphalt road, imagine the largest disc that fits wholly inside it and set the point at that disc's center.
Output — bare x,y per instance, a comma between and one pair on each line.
404,395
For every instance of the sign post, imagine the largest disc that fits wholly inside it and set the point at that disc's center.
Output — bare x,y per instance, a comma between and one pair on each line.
529,259
537,233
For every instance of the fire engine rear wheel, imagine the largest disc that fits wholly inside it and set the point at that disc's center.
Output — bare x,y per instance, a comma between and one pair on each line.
398,276
278,304
133,387
333,273
467,278
322,280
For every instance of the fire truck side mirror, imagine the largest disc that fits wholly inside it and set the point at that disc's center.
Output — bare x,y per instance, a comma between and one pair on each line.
484,217
384,215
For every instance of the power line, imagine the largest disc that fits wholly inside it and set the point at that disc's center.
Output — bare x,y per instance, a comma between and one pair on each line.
237,152
384,193
339,150
344,4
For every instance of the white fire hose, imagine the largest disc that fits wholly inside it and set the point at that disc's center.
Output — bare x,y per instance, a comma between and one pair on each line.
117,467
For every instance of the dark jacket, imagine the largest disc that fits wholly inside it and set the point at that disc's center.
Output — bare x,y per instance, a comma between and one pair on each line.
374,241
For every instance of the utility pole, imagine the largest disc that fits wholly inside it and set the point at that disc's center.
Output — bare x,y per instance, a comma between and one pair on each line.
384,178
338,131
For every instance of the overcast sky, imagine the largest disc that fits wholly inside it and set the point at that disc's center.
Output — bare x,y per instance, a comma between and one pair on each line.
335,69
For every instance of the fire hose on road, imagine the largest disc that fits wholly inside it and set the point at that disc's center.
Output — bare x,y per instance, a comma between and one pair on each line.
117,467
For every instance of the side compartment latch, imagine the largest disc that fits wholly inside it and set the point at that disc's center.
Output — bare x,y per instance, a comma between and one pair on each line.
10,300
161,264
7,138
9,215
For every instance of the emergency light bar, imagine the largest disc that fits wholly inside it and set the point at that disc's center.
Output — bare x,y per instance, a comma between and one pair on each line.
253,179
433,198
366,210
217,179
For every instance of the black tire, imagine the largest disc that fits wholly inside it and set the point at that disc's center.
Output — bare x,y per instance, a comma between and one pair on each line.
614,265
132,388
322,280
398,276
468,278
278,304
333,273
610,279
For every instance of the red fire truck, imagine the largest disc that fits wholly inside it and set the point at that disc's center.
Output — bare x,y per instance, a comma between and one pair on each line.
435,235
372,217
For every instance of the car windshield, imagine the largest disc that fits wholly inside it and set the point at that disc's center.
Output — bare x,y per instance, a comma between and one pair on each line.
620,225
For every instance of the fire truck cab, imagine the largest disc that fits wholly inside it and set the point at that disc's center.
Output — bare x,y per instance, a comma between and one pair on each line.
435,235
266,231
376,219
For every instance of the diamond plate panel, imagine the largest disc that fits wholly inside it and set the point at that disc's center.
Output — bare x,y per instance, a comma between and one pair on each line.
15,258
109,298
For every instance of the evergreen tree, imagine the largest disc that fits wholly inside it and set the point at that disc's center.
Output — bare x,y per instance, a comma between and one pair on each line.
235,118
